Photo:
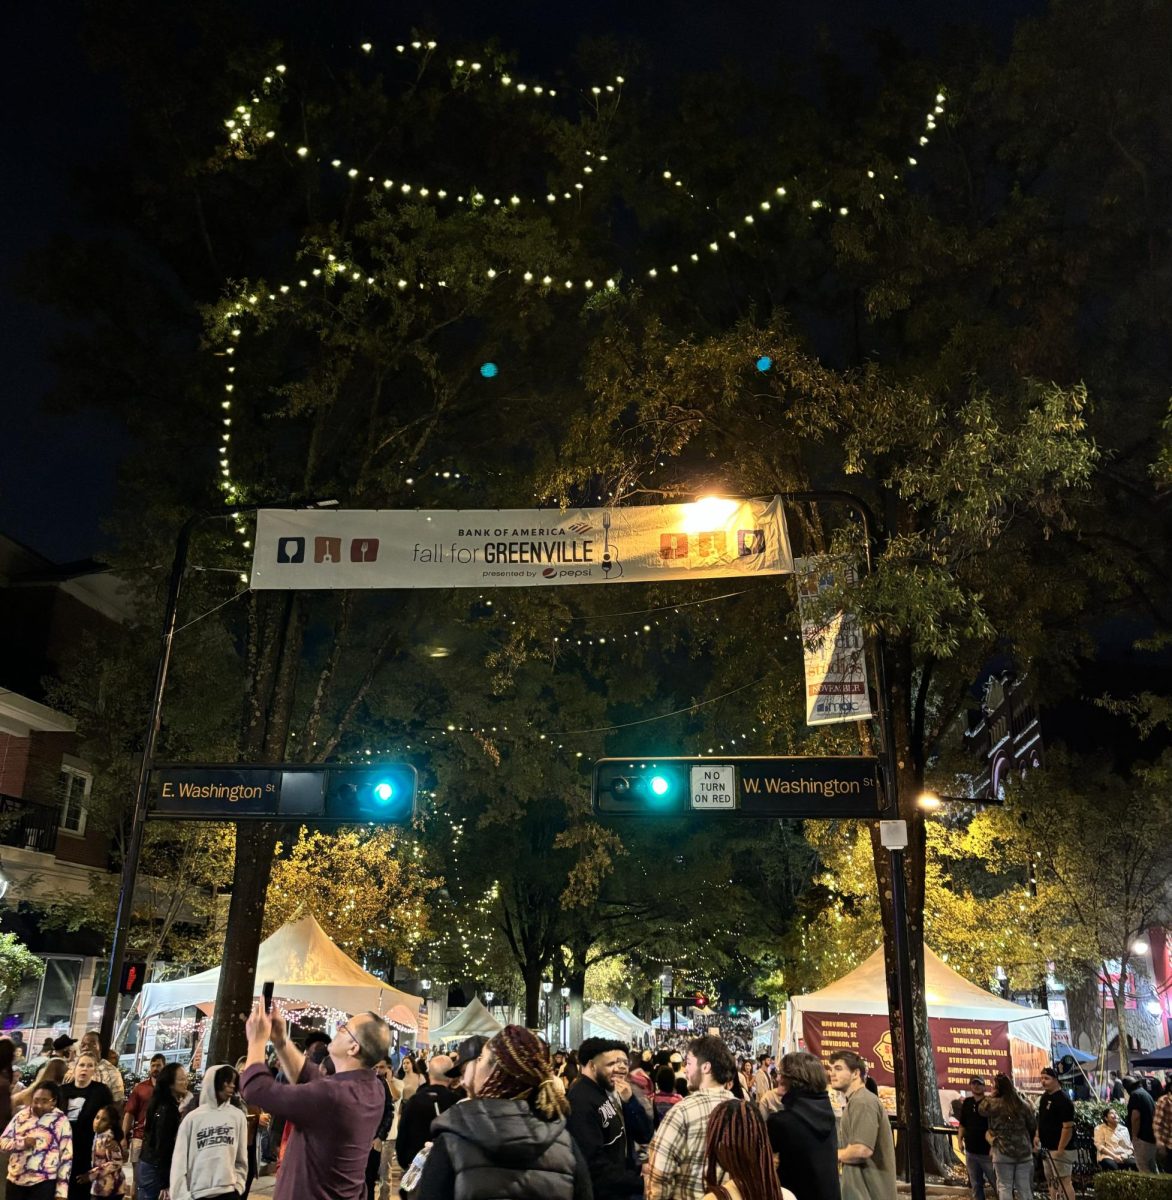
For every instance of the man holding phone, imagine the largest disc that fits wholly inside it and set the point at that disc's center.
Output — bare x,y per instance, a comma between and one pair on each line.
335,1117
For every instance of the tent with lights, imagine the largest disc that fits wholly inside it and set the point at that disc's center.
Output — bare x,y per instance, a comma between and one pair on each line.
973,1031
473,1021
306,968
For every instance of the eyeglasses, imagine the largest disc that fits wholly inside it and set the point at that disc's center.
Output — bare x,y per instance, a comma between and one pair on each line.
349,1034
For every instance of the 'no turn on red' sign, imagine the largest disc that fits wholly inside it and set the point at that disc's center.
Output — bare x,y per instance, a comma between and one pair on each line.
713,786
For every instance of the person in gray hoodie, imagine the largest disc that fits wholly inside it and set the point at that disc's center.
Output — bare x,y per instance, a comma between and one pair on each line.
211,1151
510,1137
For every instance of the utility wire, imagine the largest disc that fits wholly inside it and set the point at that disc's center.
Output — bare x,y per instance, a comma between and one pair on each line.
196,620
662,716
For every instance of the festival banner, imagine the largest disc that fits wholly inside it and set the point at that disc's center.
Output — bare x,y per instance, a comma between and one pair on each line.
832,647
961,1048
391,548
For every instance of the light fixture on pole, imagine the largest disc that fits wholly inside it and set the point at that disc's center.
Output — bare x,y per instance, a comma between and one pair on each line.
1140,946
546,986
488,997
426,985
565,1015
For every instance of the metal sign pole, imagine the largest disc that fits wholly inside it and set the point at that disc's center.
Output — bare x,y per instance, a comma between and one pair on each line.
138,820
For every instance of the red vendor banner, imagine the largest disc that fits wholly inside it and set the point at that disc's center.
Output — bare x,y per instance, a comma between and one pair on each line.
962,1049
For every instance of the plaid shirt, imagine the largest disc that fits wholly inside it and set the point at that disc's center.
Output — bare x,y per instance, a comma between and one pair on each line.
1162,1123
676,1157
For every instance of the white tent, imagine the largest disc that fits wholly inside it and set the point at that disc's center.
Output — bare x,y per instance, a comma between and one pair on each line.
638,1028
599,1021
767,1036
473,1021
304,965
663,1021
863,991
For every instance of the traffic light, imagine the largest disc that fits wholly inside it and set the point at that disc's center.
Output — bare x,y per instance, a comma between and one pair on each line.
634,787
382,795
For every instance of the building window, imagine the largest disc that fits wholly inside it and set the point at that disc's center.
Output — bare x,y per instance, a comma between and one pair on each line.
73,789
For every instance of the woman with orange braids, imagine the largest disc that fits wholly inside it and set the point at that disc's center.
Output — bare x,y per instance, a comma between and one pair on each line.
509,1138
739,1160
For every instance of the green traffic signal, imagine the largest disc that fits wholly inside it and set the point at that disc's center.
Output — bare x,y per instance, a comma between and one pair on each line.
371,794
640,787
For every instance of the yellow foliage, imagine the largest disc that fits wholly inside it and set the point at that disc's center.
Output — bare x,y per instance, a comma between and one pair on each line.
367,889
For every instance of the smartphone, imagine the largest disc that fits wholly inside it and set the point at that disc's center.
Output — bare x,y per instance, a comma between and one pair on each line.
267,992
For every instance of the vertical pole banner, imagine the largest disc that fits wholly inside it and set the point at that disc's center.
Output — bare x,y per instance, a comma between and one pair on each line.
833,648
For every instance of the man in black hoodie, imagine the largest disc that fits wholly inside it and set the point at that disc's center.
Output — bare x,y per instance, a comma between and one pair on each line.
596,1121
415,1117
802,1133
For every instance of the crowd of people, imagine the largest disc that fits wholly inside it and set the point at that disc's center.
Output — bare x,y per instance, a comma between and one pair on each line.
502,1116
74,1132
1001,1135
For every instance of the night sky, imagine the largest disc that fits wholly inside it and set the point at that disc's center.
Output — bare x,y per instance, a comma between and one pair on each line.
57,470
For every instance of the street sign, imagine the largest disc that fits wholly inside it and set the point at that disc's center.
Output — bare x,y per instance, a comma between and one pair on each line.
846,786
713,787
284,791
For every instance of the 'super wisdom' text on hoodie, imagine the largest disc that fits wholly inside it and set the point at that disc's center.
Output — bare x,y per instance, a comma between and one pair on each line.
211,1151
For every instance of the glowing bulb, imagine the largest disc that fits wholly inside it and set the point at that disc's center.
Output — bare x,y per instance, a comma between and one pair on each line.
710,512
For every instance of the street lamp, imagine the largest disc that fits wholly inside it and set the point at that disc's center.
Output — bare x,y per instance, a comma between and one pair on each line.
426,985
488,998
1139,946
565,1016
546,987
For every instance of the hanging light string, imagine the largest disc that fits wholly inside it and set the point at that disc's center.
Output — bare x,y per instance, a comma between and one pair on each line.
242,121
333,269
639,612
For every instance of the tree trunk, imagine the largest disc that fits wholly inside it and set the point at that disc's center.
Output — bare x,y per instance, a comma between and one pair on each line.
276,628
576,979
255,845
1119,992
531,973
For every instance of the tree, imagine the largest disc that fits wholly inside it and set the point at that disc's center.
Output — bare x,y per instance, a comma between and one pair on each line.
1098,842
17,963
367,889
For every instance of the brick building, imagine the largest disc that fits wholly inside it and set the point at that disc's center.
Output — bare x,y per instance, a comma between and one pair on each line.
48,847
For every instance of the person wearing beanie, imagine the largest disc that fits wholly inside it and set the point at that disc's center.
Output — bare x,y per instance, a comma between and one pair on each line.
509,1138
596,1120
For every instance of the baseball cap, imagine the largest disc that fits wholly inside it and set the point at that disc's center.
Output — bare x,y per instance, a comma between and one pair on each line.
468,1051
64,1042
1049,1071
976,1079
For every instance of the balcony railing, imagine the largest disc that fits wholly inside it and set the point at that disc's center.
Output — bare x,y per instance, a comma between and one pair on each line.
27,825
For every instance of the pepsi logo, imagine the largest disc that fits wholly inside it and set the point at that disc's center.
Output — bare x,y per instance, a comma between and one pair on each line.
549,573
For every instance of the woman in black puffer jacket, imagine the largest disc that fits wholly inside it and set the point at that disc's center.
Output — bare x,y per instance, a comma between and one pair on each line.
510,1139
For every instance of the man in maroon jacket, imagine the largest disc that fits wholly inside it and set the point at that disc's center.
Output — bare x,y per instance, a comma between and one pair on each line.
335,1117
